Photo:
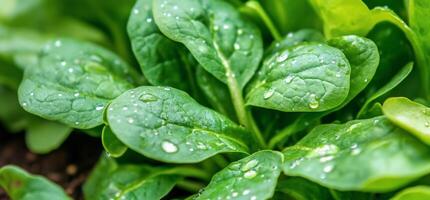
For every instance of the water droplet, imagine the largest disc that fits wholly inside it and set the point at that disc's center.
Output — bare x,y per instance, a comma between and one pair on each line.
313,102
148,98
216,28
167,88
70,70
99,107
76,123
250,174
57,43
108,154
191,149
356,151
201,146
327,149
366,80
289,78
269,93
427,124
169,147
326,158
175,7
337,75
234,194
283,56
328,168
125,108
63,63
253,198
130,120
135,11
236,46
32,94
249,165
353,146
226,26
60,95
239,31
246,192
24,104
149,20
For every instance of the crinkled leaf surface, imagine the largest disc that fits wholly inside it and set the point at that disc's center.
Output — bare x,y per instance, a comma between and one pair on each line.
73,83
411,116
44,136
162,61
113,146
166,124
110,180
20,185
365,155
394,82
253,177
420,192
304,78
224,43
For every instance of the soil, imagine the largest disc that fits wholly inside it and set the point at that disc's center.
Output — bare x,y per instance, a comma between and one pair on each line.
67,166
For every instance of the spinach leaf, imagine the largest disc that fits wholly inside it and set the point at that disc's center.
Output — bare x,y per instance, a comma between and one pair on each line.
113,146
394,82
113,181
337,156
253,177
420,192
162,61
224,43
44,136
166,124
304,78
411,116
294,38
21,185
73,83
301,189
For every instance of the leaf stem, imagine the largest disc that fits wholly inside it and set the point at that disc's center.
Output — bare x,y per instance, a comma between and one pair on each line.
190,186
255,5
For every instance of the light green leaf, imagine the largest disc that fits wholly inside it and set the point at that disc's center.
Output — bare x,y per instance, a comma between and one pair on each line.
411,116
166,124
361,155
304,78
253,177
394,82
20,185
163,62
222,41
73,83
44,136
113,146
132,182
421,192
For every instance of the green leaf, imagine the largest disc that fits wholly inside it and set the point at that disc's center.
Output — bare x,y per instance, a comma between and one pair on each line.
20,185
394,82
253,177
420,192
112,181
44,136
411,116
113,146
12,116
302,189
304,78
361,155
222,41
163,62
73,83
216,92
295,38
166,124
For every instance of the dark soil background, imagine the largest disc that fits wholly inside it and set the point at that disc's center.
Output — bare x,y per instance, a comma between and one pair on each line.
67,166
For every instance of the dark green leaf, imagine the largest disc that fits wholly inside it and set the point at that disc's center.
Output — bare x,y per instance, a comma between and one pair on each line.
44,136
223,42
166,124
364,155
73,83
302,189
253,177
113,146
304,78
20,185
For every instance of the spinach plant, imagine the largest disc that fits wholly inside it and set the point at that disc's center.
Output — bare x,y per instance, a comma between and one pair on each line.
217,99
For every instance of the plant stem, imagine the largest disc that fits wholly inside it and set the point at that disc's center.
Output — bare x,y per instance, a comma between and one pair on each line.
255,5
190,186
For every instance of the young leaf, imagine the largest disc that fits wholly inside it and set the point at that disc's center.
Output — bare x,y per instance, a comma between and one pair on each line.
394,82
44,136
166,124
20,185
224,43
411,116
113,146
163,62
73,83
304,78
420,192
364,155
253,177
127,182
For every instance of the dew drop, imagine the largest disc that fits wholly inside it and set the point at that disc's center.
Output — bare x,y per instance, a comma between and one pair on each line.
236,46
253,198
328,168
289,78
427,124
148,98
169,147
76,123
234,194
366,80
226,26
136,11
57,43
249,165
283,56
268,93
149,20
313,103
130,120
216,28
326,158
63,63
239,31
70,70
250,174
246,192
201,146
32,94
24,104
